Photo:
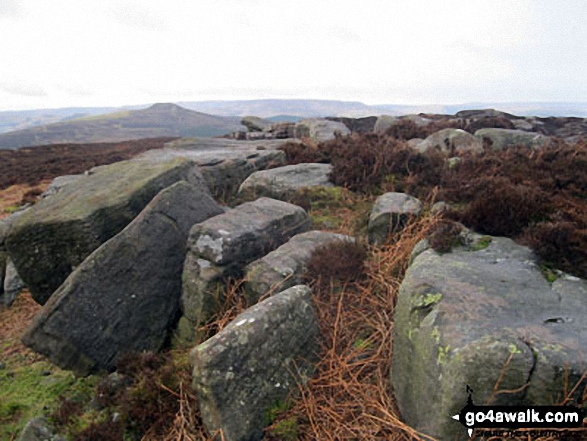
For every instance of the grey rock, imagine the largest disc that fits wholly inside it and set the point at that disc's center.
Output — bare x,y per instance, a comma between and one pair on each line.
389,214
256,124
39,429
414,143
522,124
451,140
203,288
13,284
384,122
463,315
125,296
320,130
247,232
439,207
283,267
223,245
255,362
58,183
224,163
55,236
502,138
283,182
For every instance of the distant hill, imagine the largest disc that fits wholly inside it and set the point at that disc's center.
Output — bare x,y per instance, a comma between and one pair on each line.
159,120
273,109
25,119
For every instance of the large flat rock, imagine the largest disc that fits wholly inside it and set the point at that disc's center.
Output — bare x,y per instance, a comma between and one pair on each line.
125,296
472,317
283,182
502,138
451,141
284,267
247,232
254,363
55,236
224,163
319,129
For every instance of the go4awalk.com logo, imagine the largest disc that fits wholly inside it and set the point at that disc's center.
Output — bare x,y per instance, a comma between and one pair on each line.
517,417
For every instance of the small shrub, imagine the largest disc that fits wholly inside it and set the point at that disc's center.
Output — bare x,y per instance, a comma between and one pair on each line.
103,431
31,196
445,236
148,404
560,245
66,411
502,208
341,261
299,153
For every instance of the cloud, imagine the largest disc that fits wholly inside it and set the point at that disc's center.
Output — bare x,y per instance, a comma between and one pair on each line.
136,15
10,9
24,90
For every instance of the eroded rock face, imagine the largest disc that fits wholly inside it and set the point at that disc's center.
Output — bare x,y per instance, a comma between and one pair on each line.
389,214
283,268
283,182
59,182
224,163
39,429
224,244
13,284
320,130
253,363
125,296
463,315
451,140
502,138
55,236
247,232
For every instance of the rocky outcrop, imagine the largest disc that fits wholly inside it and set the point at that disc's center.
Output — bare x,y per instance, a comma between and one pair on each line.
39,429
224,244
256,124
284,267
224,163
283,182
385,122
58,183
451,141
254,363
320,130
55,236
390,213
483,316
499,139
12,285
125,296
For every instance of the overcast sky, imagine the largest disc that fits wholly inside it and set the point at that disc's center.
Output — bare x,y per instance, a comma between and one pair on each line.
62,53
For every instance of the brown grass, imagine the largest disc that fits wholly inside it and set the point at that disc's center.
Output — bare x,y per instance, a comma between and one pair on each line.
350,396
13,322
15,195
32,165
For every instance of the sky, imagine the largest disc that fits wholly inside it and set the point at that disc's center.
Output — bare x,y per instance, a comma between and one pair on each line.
67,53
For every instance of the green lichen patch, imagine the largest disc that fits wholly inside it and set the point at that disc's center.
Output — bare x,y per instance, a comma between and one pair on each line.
482,243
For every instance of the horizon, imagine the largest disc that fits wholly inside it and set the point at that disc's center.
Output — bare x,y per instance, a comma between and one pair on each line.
416,53
462,106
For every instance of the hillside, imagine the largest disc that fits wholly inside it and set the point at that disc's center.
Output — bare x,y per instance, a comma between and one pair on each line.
274,109
159,120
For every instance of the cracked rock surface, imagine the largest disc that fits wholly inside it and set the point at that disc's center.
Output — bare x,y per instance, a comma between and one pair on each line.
125,296
487,319
252,364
